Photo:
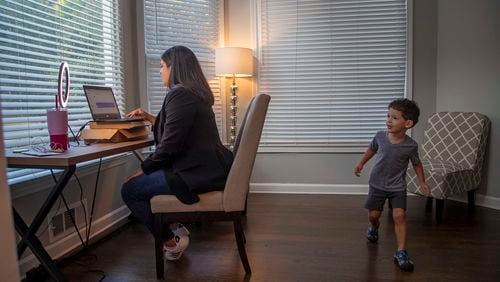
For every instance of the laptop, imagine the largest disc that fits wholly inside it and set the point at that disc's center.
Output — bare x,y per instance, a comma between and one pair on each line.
102,104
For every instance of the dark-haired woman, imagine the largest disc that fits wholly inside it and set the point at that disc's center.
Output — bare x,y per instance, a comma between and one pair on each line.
189,158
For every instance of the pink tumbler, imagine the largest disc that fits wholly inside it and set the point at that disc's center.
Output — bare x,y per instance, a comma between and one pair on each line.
57,122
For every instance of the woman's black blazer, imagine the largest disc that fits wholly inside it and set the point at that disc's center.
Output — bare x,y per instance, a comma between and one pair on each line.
188,146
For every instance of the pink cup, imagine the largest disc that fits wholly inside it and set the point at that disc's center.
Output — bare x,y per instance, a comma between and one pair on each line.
57,123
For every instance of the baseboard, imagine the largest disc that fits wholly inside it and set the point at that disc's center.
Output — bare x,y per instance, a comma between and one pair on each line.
65,246
305,188
349,189
481,200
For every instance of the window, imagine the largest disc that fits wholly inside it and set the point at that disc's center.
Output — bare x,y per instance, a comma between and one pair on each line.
35,37
331,68
194,24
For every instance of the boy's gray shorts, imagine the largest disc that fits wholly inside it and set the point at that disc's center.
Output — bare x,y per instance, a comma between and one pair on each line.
376,199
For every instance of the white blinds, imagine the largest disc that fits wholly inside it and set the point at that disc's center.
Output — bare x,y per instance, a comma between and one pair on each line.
331,68
35,37
194,24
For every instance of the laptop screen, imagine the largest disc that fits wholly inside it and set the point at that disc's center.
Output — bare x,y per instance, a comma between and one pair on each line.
102,102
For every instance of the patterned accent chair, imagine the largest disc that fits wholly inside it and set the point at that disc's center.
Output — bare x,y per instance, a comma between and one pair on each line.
453,156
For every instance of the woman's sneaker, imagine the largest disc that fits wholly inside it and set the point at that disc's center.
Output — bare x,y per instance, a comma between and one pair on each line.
402,259
179,229
175,253
372,234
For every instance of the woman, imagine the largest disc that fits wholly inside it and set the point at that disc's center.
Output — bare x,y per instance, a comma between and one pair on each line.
189,158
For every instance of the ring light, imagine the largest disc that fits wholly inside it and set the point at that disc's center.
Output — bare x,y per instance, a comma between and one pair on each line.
63,99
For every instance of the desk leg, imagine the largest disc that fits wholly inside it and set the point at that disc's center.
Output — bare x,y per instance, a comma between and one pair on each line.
38,250
28,234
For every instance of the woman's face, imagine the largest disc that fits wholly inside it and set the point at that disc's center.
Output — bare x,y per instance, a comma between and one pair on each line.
165,73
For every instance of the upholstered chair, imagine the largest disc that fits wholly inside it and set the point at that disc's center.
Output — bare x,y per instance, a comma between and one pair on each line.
227,205
453,155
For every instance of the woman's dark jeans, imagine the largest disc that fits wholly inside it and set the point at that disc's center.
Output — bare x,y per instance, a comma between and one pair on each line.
137,193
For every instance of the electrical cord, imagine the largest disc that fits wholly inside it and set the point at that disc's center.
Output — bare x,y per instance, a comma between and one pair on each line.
70,214
74,136
93,200
88,258
79,132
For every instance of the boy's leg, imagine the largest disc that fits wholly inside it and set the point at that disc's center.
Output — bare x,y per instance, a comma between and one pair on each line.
401,258
373,218
372,232
399,216
375,205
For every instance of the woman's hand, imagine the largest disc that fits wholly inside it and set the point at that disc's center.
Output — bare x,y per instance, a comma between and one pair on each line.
140,112
139,172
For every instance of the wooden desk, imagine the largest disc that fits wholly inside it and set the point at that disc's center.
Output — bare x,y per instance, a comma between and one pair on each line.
66,161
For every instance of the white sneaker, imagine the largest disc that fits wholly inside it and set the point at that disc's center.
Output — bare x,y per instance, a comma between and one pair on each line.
175,253
179,229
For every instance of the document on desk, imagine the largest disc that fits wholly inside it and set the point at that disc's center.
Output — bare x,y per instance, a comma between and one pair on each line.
40,154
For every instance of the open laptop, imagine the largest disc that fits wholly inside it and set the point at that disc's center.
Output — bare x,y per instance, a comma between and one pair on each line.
102,104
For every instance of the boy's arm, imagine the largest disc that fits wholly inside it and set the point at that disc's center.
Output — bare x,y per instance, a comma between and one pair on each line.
419,170
366,157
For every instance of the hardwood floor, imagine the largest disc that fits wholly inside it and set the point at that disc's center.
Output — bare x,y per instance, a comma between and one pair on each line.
312,238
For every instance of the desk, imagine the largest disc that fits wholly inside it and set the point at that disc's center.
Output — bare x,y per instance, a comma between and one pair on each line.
67,162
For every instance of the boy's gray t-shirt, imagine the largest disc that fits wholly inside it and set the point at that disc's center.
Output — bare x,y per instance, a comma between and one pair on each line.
391,162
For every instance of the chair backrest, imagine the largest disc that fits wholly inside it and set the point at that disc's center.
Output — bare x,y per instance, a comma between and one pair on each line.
459,137
242,127
238,180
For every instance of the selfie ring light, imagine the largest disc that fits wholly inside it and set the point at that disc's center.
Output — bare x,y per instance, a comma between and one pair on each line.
63,99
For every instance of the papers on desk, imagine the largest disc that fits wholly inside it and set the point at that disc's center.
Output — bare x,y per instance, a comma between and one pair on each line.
39,154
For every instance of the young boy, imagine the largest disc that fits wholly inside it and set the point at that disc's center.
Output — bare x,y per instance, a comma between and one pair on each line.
387,179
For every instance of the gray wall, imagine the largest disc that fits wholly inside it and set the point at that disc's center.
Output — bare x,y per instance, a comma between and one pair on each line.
468,69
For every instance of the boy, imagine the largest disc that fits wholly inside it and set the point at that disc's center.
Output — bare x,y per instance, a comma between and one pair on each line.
387,179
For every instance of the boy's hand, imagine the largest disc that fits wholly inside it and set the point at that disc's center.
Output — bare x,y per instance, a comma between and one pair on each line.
358,169
426,189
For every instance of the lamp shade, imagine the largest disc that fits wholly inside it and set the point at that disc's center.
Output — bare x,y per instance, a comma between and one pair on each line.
233,61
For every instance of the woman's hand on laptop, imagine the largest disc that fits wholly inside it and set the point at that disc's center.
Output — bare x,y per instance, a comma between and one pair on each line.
139,112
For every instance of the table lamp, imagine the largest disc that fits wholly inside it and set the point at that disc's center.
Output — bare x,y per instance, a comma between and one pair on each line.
233,62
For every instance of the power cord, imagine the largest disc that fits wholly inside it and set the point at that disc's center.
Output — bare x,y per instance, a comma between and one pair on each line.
79,132
88,258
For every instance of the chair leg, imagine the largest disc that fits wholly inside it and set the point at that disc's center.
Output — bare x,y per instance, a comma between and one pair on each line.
159,247
439,210
471,197
238,233
428,204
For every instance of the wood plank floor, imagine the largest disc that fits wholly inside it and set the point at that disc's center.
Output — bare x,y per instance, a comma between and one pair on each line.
312,238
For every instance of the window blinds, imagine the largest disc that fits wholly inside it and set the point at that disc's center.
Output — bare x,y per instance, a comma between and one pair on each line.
194,24
35,37
331,68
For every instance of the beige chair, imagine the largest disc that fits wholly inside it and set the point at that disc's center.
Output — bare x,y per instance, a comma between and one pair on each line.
227,205
453,156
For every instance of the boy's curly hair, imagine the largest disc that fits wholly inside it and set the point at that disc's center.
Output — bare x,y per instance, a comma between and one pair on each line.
407,107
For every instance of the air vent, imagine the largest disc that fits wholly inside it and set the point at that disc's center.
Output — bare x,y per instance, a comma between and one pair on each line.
61,225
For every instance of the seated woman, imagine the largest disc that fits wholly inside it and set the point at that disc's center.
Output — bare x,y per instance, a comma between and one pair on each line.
189,158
